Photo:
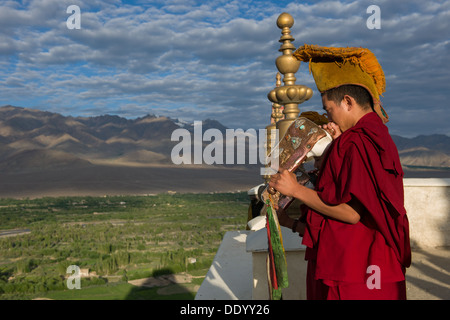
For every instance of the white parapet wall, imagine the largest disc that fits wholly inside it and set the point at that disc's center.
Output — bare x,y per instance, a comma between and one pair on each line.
230,275
427,202
257,245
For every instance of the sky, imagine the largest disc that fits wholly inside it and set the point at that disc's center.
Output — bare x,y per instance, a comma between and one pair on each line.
196,60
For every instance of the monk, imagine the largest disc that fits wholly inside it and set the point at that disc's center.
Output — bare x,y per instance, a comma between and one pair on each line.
354,224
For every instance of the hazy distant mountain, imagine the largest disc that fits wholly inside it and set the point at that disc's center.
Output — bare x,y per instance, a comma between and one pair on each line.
424,151
33,139
438,142
41,159
424,157
78,140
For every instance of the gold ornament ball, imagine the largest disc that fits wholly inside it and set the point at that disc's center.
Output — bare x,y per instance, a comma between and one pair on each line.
285,20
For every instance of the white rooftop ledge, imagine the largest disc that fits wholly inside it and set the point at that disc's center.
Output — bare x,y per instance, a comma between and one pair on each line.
230,275
427,203
426,182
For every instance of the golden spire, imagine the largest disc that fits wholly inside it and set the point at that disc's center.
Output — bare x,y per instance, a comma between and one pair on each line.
277,109
290,95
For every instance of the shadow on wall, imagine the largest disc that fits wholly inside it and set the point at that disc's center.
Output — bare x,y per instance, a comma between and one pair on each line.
164,285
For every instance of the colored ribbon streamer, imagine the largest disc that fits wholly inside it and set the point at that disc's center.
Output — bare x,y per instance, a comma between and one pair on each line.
277,266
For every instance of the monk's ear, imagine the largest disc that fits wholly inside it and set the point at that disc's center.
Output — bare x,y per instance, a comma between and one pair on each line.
348,102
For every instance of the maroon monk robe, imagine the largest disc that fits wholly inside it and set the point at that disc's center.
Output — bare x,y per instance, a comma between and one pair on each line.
361,164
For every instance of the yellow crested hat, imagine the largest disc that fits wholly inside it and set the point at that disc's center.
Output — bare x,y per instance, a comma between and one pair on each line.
334,67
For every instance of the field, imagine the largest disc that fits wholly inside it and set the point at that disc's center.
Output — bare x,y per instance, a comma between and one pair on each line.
113,241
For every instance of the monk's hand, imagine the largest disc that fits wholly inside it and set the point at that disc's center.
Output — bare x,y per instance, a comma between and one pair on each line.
333,129
284,182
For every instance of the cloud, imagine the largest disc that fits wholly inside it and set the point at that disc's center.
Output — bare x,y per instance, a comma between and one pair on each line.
196,60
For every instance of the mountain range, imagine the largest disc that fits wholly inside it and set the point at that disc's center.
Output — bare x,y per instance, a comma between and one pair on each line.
34,140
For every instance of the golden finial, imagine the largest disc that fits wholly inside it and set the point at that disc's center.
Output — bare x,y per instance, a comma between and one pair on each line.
277,109
278,77
289,95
